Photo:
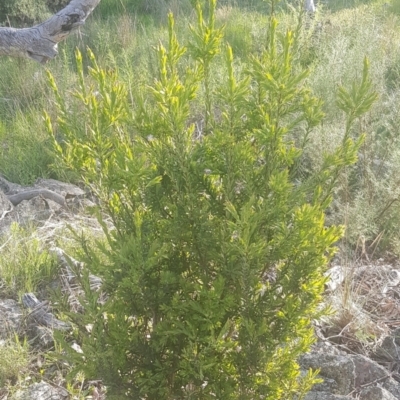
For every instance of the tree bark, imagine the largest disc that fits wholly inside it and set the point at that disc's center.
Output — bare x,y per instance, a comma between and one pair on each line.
309,6
40,41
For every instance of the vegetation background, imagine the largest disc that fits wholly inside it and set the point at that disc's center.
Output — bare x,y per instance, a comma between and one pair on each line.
332,44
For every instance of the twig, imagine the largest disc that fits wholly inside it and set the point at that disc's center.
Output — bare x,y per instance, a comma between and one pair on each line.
5,213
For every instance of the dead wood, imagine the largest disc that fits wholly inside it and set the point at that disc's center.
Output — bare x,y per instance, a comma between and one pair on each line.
15,199
40,41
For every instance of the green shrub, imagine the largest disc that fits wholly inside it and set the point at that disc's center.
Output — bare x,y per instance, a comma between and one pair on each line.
56,5
19,12
214,265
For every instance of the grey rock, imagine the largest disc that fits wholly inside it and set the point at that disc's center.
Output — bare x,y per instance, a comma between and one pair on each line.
39,313
5,204
41,391
396,335
33,210
369,372
66,189
327,348
376,393
41,336
344,373
4,186
392,386
366,370
7,213
9,187
324,396
75,197
336,367
328,385
388,349
10,317
36,205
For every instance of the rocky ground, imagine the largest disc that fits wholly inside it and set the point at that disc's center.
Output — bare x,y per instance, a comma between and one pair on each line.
358,348
50,206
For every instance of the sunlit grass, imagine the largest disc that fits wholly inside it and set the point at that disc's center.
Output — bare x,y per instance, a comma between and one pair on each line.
14,360
25,264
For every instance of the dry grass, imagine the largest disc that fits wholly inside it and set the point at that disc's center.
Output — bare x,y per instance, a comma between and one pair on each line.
365,300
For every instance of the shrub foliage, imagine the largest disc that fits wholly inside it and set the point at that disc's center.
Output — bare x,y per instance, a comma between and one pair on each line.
27,11
213,264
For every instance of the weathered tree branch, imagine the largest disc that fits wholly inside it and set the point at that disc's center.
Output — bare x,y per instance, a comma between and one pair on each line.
15,199
309,6
40,41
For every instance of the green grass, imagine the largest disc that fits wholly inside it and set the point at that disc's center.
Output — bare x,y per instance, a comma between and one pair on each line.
14,360
25,264
25,154
366,200
338,5
154,10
